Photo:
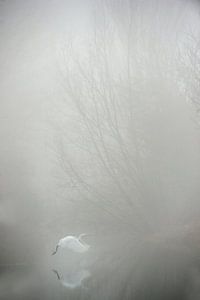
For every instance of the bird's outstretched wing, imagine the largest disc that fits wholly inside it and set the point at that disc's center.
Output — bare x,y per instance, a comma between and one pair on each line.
82,235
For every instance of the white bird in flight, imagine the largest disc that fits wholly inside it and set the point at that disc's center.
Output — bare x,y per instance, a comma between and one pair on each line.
73,243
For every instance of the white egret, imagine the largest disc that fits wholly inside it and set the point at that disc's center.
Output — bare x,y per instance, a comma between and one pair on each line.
73,243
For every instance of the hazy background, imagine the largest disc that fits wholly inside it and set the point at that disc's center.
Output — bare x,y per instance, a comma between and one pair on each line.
100,133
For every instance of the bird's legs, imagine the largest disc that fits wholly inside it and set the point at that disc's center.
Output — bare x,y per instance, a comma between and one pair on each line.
57,274
55,250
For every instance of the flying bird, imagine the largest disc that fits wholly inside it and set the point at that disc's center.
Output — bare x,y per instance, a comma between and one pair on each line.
76,244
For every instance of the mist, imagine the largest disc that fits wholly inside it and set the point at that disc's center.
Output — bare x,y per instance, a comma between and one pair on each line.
100,132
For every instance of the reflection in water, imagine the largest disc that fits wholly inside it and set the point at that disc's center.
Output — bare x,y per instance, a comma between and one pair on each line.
151,273
73,280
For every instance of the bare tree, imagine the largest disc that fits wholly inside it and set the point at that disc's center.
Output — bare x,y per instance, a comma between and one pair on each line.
116,79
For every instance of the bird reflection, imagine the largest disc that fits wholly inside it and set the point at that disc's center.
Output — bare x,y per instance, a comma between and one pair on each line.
73,279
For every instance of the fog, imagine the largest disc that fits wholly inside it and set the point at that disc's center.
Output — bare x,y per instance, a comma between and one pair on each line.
100,134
